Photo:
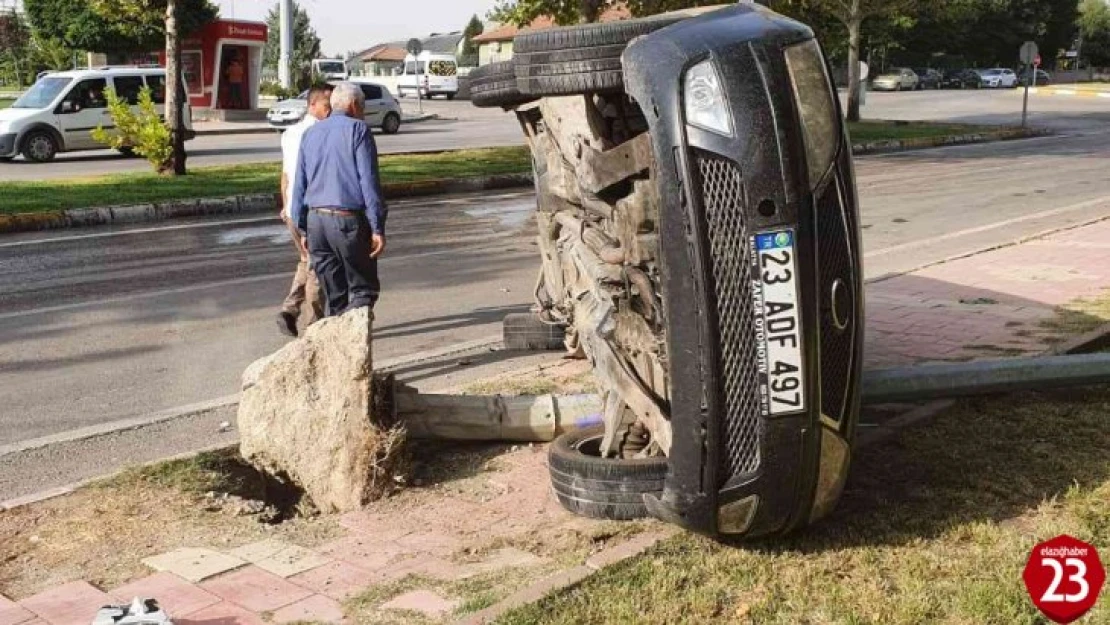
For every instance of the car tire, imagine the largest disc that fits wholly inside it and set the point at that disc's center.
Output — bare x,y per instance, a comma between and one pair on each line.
391,123
39,146
494,85
6,159
527,332
450,96
602,488
578,59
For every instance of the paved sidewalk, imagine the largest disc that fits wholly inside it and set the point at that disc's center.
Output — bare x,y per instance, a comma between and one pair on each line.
486,524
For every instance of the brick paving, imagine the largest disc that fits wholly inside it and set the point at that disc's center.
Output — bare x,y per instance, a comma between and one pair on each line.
988,305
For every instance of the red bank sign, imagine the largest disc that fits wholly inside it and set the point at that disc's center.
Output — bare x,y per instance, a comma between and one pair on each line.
228,29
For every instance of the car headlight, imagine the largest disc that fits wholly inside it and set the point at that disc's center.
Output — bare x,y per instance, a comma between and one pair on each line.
705,104
814,94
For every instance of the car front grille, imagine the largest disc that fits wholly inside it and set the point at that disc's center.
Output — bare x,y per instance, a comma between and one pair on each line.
835,263
730,256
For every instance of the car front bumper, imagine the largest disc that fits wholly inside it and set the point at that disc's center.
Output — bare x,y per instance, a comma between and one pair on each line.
7,144
283,121
733,470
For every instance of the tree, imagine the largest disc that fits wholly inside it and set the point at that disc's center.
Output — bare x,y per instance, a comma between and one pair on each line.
306,44
138,20
15,40
85,25
1094,31
852,14
522,12
473,28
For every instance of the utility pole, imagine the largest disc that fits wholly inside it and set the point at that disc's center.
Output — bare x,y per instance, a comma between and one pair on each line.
285,76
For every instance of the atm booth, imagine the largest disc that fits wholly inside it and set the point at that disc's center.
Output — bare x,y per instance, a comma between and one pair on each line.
222,66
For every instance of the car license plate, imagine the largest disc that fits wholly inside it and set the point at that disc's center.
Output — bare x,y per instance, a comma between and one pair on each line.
778,323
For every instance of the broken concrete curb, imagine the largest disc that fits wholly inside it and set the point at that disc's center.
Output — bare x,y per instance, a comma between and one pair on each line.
235,205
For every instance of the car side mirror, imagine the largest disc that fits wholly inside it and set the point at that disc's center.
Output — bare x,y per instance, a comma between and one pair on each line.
69,107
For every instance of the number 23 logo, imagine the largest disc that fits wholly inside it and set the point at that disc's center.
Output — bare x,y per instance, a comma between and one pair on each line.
1052,595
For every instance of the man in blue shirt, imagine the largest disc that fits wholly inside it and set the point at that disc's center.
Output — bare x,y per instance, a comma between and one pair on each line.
336,198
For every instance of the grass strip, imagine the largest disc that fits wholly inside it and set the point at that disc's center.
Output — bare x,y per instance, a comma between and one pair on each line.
868,131
935,527
142,188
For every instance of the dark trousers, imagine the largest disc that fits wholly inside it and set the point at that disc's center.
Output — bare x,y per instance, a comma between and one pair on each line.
339,245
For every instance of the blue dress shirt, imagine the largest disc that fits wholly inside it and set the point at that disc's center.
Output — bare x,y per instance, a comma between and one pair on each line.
338,168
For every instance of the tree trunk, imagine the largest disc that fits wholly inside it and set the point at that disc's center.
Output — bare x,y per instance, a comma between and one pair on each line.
854,23
175,92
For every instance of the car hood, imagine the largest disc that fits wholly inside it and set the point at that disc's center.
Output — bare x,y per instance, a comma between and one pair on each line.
11,115
291,105
888,77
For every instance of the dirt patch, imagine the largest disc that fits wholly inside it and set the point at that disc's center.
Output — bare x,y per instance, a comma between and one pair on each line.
101,534
564,377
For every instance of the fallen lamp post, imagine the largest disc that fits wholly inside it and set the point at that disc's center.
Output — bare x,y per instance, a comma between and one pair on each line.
541,418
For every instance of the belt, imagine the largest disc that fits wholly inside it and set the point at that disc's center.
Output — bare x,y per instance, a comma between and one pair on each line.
336,211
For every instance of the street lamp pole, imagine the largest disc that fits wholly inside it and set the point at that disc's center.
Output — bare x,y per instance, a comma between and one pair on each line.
286,55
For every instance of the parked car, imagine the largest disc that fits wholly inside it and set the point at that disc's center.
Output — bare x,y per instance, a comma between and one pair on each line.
1042,78
59,112
999,78
928,78
732,378
961,79
382,110
897,79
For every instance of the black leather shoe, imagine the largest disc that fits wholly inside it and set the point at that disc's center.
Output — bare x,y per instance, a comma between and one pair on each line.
287,324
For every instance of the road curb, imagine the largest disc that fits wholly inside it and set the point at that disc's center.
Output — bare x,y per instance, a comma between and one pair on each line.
181,412
240,204
903,145
263,130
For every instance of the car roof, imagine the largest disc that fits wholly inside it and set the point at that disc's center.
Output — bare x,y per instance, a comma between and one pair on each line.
100,72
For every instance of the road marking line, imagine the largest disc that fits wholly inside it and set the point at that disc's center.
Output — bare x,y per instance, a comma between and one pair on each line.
284,275
991,226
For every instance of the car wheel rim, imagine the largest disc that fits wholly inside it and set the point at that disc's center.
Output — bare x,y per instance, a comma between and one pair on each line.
41,148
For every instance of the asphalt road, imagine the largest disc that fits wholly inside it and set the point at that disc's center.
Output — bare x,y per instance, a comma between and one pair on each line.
103,324
467,126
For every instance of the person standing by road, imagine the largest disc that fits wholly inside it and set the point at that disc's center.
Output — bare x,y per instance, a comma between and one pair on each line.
305,285
337,202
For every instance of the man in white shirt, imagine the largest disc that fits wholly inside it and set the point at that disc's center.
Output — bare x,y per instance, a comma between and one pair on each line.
305,285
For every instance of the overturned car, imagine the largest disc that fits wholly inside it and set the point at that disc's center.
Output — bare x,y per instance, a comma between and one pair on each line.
698,227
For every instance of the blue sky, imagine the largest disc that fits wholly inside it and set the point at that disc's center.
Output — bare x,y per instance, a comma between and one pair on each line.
357,24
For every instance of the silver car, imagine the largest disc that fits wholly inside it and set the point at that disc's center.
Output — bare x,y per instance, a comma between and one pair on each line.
897,79
382,109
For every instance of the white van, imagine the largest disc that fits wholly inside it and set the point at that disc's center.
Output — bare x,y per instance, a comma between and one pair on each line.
431,74
59,113
330,69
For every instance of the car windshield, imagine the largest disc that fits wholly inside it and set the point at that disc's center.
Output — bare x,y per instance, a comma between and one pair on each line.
333,67
992,72
42,93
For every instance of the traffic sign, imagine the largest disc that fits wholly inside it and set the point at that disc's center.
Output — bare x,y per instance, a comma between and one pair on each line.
1064,577
1028,52
414,46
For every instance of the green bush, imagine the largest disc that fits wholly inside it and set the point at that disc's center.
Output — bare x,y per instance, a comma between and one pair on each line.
140,131
275,90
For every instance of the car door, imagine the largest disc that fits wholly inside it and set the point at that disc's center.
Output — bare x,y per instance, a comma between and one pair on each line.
83,109
375,106
1009,78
